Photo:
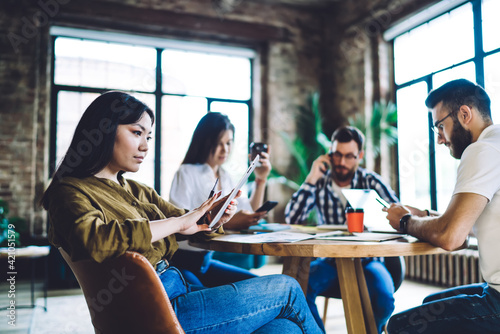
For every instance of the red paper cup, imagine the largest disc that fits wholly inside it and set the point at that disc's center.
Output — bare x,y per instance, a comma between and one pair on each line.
354,219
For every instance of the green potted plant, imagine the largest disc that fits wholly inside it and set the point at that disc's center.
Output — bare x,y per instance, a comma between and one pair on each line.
10,228
380,127
308,143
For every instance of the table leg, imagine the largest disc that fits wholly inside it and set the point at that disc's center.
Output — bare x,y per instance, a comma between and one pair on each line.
32,262
45,281
357,306
298,268
365,298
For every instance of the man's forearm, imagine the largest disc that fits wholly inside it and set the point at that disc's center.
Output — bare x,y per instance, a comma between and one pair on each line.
433,230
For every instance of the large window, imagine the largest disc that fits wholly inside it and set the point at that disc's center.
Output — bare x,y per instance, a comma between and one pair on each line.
461,43
179,84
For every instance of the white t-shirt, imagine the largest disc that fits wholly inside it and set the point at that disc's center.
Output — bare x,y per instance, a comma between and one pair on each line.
192,184
479,173
338,191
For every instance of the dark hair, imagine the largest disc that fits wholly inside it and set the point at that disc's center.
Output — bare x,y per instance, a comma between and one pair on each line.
345,134
206,137
457,93
91,148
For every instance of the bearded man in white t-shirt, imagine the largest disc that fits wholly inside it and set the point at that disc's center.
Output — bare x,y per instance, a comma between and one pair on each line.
462,119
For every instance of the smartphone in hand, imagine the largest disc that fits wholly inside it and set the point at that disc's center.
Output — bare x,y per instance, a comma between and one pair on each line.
268,206
325,168
257,148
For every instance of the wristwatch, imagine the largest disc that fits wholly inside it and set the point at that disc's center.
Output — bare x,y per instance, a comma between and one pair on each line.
403,223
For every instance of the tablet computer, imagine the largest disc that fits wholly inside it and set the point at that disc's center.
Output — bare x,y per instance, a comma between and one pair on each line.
233,193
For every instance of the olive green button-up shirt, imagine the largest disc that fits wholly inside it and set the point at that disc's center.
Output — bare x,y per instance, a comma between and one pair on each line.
99,219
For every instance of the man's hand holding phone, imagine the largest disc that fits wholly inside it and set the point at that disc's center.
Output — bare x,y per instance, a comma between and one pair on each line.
318,169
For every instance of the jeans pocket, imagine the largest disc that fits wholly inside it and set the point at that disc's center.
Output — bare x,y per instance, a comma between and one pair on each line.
173,282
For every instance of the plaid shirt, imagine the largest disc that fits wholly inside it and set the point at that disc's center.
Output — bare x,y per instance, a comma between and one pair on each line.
330,208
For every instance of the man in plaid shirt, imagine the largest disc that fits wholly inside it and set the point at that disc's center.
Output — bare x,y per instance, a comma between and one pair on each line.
322,189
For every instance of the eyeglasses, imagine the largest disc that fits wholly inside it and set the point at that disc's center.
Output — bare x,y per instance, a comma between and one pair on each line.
438,126
338,156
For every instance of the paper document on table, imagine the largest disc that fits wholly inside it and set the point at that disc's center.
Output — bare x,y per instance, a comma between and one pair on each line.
265,237
268,227
364,236
375,219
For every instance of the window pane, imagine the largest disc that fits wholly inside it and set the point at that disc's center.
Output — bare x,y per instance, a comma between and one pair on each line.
465,71
104,65
238,114
201,74
492,83
413,145
180,115
435,45
446,165
70,108
117,66
491,24
446,176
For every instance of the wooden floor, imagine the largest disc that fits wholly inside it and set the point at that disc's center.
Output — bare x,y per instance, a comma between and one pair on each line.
410,294
23,297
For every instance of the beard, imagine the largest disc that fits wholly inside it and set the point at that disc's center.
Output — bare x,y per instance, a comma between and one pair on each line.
459,140
342,174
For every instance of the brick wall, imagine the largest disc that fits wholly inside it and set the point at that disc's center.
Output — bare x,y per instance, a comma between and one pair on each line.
23,99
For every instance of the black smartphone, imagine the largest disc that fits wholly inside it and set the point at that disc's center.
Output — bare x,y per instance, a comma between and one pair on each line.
326,167
268,206
257,148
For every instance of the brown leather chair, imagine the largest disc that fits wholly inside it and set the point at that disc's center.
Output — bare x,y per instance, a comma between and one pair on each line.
125,295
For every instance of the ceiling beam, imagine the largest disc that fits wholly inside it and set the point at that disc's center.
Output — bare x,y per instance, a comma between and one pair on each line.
119,16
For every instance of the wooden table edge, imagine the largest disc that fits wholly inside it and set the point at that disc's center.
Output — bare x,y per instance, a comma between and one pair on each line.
325,248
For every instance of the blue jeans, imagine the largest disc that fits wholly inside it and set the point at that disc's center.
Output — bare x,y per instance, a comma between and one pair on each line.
217,273
473,308
323,277
199,268
270,304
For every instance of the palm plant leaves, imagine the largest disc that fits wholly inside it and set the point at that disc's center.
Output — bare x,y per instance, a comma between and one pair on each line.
308,143
10,227
382,125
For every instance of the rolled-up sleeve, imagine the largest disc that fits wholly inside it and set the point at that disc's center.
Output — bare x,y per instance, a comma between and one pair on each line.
81,228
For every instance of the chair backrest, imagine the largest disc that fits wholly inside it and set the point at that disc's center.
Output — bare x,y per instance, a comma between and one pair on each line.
397,268
125,295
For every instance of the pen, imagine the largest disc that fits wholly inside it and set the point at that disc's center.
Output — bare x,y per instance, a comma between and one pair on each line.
213,189
384,203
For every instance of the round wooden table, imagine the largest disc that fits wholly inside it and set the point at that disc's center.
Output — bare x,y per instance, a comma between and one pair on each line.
348,254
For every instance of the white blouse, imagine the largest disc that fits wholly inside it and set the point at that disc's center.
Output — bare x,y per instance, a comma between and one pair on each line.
192,184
